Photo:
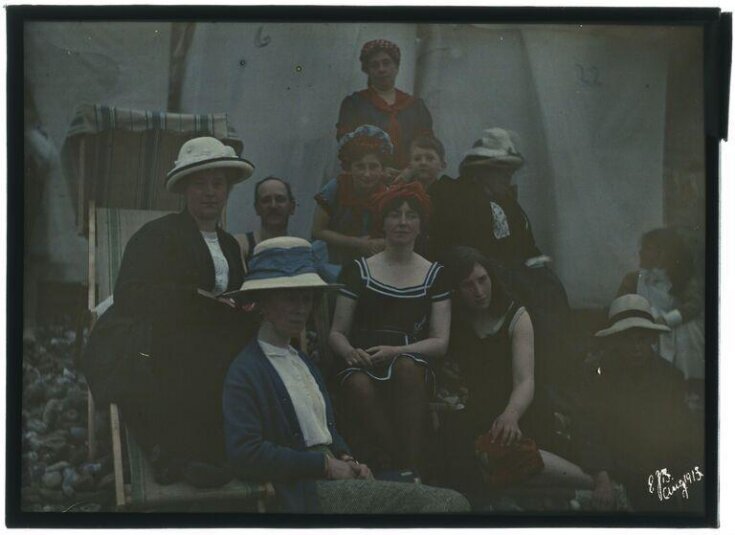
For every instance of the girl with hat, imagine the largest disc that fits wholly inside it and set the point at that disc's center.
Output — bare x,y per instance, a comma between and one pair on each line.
343,215
279,422
391,320
402,116
162,349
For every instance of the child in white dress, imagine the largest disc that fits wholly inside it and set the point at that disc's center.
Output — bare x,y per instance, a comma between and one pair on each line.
666,279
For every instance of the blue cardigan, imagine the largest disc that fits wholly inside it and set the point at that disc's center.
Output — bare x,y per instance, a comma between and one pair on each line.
262,434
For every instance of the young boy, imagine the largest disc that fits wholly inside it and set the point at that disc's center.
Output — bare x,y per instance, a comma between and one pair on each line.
426,161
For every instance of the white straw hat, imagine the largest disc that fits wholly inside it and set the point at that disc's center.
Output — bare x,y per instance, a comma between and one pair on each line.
628,312
207,153
495,146
283,262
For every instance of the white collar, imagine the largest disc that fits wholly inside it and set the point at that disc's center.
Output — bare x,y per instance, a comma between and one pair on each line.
275,351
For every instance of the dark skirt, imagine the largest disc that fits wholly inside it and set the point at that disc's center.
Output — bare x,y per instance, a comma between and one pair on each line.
384,371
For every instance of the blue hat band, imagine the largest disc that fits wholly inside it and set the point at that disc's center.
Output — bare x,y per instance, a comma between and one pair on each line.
281,262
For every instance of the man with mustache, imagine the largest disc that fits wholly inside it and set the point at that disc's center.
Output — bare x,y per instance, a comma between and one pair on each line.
274,203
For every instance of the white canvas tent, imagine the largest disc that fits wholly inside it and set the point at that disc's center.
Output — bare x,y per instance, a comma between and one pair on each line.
607,116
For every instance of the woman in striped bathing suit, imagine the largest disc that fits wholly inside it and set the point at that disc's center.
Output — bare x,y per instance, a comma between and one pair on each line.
391,320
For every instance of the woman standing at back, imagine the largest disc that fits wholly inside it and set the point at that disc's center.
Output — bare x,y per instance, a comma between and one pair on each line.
403,116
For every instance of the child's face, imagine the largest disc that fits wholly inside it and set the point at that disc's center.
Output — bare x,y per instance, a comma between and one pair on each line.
366,173
425,164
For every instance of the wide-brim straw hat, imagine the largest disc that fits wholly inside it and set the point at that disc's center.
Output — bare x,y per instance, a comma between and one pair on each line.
495,146
281,263
628,312
203,153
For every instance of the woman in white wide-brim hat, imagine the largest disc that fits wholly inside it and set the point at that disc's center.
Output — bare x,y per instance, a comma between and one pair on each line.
170,270
279,423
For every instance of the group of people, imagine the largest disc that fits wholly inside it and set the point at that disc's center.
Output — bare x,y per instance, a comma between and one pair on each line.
199,347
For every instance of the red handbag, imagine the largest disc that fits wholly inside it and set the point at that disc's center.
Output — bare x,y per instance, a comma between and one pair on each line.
503,466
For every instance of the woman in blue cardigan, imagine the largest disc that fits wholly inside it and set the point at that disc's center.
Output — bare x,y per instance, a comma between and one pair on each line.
279,422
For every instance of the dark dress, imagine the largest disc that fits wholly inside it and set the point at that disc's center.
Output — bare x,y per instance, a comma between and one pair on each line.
386,315
404,120
486,367
162,350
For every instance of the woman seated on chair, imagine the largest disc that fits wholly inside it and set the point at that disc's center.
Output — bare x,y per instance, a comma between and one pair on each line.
162,350
492,341
279,423
343,216
391,320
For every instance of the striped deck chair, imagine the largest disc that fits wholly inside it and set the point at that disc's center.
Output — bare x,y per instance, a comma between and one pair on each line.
116,161
119,158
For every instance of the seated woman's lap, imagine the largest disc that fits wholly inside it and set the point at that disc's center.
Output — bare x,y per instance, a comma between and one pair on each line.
408,371
369,496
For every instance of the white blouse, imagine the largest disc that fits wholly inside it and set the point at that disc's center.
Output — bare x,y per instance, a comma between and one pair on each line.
307,399
221,267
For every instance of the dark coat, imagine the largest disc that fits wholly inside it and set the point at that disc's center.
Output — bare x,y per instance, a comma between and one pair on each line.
263,435
462,216
162,350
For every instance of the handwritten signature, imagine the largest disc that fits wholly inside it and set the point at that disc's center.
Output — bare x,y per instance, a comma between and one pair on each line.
665,486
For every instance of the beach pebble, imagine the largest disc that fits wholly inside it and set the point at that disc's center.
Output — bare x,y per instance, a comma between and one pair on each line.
106,482
52,480
51,411
70,479
58,466
37,426
78,434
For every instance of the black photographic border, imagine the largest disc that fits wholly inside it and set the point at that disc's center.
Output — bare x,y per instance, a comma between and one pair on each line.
716,63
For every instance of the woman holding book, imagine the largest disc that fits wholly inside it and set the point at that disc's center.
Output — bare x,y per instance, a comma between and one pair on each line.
162,349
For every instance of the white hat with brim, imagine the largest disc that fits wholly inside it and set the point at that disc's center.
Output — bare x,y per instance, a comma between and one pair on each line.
494,147
630,312
204,153
282,263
